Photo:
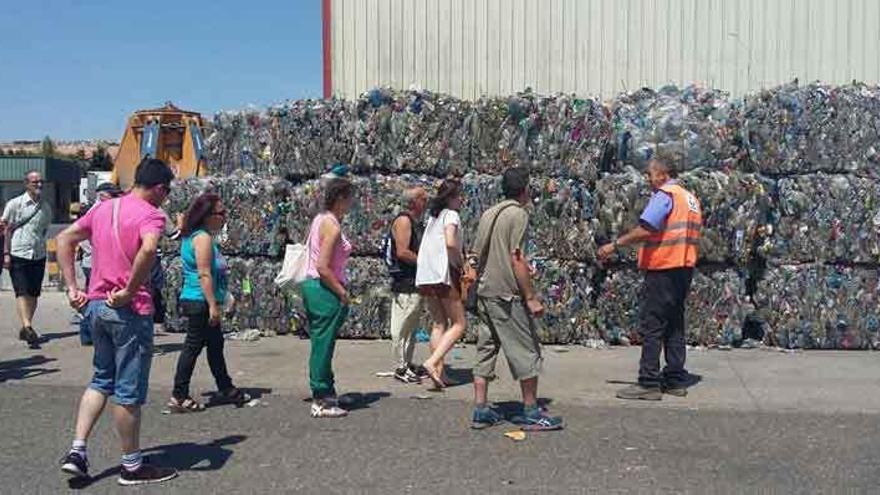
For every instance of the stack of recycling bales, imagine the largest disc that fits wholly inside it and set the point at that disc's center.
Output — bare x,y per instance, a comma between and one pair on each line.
697,129
819,142
786,177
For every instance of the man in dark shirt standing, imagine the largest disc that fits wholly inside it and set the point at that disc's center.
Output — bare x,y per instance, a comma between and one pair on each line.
406,303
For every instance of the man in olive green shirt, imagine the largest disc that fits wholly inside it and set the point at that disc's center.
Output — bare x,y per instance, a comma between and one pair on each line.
508,305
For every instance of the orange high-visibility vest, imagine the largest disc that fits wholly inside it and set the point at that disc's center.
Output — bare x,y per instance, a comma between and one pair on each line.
676,244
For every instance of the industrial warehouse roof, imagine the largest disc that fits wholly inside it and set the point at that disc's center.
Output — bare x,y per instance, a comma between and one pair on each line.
13,168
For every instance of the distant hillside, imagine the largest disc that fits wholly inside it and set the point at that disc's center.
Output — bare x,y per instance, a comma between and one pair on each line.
71,148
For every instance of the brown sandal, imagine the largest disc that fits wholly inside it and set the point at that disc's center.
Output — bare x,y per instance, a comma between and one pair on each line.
189,405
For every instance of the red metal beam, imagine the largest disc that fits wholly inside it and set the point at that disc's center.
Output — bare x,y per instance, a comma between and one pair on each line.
328,51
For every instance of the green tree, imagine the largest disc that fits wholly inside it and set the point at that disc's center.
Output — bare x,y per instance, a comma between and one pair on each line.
48,147
101,159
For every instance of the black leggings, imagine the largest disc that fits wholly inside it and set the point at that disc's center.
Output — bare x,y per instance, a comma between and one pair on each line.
200,334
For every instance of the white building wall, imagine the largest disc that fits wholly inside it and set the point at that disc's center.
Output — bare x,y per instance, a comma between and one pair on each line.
599,47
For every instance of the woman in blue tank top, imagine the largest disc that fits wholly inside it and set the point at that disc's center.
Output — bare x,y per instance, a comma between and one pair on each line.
202,298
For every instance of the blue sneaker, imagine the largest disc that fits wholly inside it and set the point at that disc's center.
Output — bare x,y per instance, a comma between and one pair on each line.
485,417
536,419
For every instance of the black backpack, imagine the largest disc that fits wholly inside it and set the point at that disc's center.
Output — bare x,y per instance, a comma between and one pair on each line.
386,251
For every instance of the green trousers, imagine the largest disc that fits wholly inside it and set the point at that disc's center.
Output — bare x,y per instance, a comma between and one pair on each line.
326,314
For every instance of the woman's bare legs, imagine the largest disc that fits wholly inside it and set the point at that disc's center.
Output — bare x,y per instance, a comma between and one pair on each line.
438,320
453,309
438,329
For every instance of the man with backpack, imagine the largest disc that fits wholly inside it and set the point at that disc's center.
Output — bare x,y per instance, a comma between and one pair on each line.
400,253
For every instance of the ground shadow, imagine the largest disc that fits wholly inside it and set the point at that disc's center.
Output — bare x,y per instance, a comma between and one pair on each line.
691,380
186,456
352,401
21,369
511,409
459,376
253,392
167,348
46,337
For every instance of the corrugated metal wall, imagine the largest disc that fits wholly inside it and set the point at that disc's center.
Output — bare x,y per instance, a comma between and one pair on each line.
13,168
590,47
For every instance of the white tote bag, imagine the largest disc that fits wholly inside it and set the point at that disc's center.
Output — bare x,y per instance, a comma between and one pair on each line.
295,265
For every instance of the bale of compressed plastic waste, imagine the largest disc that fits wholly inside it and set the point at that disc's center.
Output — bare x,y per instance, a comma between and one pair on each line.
796,129
567,291
240,140
413,131
825,217
736,208
258,207
558,135
820,306
307,136
717,307
694,126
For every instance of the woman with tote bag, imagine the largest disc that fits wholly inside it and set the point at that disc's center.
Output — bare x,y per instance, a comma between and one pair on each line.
325,295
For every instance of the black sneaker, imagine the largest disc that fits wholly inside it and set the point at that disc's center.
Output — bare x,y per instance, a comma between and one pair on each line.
406,375
75,464
146,474
23,334
32,337
419,371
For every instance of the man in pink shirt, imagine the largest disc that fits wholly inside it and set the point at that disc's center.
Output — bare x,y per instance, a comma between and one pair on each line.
124,233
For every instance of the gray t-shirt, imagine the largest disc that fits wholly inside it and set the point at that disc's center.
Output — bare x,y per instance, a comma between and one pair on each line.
508,236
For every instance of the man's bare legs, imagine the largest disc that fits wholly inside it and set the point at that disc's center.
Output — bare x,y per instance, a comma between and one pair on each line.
127,420
26,306
91,405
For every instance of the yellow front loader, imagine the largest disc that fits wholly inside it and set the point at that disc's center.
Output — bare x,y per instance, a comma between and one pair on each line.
168,133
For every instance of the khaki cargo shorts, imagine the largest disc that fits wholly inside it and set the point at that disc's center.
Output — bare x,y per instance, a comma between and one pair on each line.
507,325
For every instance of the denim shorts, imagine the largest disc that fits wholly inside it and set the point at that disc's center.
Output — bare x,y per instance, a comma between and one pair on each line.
123,342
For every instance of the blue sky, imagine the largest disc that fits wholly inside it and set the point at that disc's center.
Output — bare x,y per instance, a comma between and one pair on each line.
76,70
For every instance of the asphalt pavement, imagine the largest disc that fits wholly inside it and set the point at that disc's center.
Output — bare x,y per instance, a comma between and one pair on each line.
759,421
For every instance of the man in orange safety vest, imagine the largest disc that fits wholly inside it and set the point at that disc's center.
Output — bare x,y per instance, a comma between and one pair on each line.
669,235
